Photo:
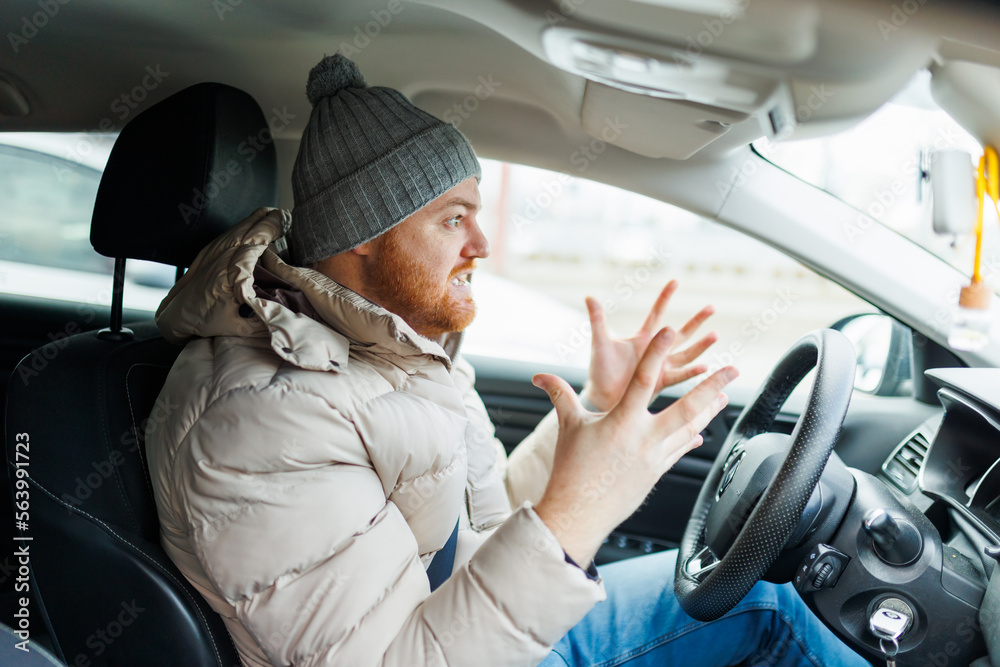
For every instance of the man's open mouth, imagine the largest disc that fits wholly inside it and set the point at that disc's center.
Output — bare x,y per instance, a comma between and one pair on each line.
462,279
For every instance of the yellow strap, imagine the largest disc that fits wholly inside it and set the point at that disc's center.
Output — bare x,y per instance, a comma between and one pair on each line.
981,195
987,185
992,169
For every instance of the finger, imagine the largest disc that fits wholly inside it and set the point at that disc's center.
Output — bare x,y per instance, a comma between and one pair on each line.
692,352
690,434
656,313
598,320
687,409
694,323
563,398
672,376
677,454
647,373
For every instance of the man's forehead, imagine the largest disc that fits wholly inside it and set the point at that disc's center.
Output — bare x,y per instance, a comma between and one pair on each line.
464,194
457,201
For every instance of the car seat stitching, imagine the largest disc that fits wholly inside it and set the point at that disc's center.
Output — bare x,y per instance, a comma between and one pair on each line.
139,446
104,421
152,561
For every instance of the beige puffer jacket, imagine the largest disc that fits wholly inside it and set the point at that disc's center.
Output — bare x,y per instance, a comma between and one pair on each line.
317,452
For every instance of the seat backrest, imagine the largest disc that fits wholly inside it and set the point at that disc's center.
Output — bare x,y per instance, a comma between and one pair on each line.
105,589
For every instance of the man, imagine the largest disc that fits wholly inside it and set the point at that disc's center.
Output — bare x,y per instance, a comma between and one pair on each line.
328,436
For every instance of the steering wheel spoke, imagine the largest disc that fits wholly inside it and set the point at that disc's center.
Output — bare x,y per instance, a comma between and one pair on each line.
701,564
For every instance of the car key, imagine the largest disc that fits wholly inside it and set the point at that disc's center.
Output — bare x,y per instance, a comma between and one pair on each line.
888,625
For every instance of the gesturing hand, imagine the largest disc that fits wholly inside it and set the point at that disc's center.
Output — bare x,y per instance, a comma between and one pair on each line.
604,465
613,360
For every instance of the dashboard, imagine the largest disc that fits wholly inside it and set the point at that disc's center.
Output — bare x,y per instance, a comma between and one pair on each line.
962,468
942,484
949,467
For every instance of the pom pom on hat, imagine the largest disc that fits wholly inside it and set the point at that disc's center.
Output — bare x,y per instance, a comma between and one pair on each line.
331,75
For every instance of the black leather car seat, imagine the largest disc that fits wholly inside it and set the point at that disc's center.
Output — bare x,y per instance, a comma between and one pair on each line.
180,174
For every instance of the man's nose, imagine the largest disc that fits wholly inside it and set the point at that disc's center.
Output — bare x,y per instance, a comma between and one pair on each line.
477,246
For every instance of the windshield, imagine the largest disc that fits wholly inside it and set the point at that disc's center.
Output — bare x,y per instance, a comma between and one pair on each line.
877,166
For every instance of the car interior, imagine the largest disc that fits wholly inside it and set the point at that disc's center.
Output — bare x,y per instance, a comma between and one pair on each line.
881,505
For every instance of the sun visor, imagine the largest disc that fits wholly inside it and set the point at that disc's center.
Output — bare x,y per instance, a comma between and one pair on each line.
650,126
970,93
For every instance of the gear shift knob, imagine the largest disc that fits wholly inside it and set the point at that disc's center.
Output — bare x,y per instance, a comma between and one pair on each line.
897,542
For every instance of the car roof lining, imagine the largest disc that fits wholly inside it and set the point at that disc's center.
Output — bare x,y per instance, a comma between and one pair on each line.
75,71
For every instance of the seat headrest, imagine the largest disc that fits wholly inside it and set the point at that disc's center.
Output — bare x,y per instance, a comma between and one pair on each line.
181,173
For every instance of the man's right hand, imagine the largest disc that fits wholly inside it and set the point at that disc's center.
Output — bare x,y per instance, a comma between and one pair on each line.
606,464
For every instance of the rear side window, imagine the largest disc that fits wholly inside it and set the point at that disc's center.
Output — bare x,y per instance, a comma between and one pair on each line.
48,201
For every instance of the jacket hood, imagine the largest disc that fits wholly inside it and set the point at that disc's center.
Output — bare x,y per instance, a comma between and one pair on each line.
239,286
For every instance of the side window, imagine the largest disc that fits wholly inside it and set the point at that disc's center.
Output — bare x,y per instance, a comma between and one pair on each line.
557,239
47,202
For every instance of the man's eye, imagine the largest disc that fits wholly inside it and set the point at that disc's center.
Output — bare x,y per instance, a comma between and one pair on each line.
454,222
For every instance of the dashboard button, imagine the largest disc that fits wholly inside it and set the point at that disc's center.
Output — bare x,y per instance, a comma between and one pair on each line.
820,569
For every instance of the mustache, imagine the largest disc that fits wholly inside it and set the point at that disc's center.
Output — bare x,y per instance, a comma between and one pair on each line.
465,268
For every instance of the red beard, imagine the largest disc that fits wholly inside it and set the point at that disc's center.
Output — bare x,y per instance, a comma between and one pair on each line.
401,285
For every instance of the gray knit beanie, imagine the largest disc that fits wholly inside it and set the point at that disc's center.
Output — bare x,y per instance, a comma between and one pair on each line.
367,160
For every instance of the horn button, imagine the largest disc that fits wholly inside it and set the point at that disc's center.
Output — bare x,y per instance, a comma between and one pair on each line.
748,470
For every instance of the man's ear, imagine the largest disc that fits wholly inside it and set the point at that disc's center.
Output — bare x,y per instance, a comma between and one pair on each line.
363,249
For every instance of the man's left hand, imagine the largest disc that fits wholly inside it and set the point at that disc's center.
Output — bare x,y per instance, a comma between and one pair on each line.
613,360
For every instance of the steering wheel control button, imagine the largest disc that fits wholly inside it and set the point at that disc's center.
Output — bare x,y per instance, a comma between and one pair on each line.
896,542
820,569
822,575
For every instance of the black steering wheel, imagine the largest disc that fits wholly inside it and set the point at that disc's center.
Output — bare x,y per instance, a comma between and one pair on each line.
757,489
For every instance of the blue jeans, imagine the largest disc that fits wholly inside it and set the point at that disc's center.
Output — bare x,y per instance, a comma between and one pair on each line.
641,624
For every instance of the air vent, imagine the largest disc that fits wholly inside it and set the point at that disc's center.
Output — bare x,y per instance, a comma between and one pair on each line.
904,465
